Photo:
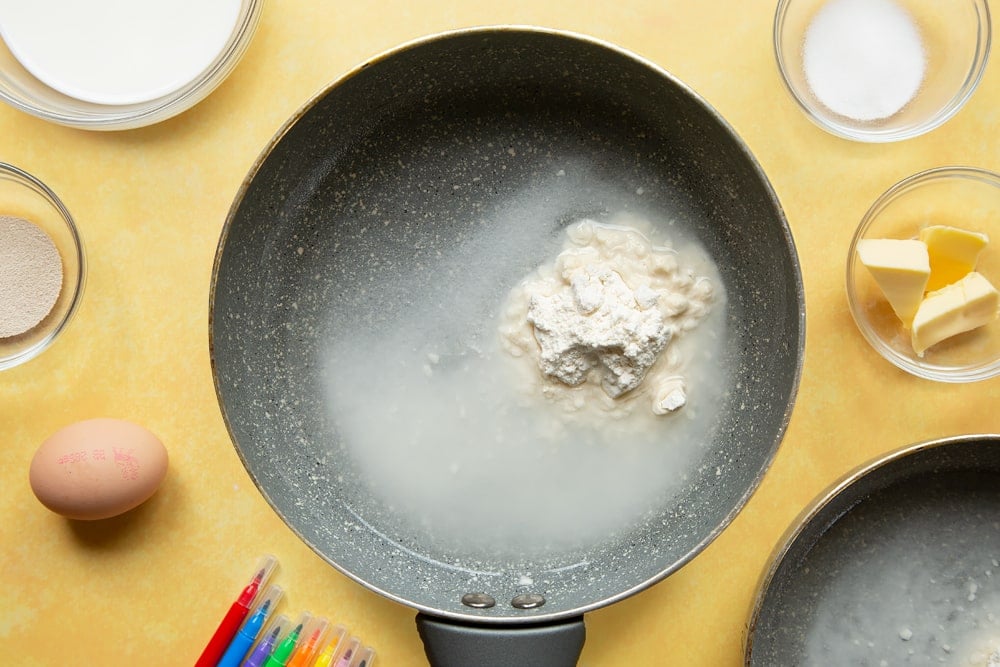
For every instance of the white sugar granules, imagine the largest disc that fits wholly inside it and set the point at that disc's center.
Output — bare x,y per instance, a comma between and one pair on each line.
863,59
30,275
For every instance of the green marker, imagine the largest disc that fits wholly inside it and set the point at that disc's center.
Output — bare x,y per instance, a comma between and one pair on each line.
284,651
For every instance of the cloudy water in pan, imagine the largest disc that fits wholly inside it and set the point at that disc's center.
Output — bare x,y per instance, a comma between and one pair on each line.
911,576
433,415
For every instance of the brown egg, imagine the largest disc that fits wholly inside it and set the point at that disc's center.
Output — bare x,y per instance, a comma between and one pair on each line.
97,468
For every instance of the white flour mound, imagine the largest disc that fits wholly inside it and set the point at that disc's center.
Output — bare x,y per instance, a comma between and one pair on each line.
600,324
602,315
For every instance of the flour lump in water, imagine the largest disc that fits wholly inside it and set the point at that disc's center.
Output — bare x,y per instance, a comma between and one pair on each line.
473,450
602,315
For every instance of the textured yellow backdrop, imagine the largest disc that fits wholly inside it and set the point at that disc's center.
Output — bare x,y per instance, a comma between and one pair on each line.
148,588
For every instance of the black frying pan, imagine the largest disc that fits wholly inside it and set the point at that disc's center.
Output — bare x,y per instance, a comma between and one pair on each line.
419,178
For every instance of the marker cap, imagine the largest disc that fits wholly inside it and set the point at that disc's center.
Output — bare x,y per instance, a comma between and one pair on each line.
365,658
266,567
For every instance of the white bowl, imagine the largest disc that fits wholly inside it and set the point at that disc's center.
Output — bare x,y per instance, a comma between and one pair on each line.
22,90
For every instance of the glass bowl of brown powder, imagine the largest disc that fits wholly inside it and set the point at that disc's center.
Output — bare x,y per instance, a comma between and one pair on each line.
42,266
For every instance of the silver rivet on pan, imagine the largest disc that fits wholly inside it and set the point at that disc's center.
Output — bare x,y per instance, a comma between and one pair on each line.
478,600
528,601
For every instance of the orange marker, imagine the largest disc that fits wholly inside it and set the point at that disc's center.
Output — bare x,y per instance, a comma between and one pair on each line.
307,650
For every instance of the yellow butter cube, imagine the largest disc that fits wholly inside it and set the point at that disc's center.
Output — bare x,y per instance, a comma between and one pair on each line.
962,306
953,253
900,268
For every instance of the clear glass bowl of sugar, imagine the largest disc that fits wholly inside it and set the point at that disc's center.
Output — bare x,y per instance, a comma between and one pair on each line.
881,70
108,65
39,243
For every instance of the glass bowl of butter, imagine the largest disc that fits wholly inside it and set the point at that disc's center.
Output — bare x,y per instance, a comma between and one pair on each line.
923,274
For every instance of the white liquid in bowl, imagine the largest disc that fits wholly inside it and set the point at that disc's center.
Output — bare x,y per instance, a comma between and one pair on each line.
117,51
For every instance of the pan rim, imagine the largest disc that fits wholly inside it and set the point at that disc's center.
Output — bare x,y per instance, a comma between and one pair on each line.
795,279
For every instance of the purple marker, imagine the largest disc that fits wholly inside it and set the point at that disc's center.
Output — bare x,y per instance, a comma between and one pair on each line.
263,650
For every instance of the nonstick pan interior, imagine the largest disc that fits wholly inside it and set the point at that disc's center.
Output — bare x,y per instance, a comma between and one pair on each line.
899,564
421,155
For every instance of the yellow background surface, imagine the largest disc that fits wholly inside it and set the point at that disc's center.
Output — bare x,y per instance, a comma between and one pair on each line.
149,587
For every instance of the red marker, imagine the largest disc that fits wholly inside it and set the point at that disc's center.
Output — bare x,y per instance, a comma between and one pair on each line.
230,624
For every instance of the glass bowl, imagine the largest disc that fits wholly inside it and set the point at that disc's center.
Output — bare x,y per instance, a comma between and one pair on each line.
964,197
956,42
22,90
24,196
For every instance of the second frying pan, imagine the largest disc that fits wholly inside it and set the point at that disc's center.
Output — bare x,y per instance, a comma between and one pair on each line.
897,564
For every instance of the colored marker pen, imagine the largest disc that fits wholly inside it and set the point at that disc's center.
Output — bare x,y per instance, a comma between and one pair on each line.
245,638
346,658
284,650
266,646
325,658
365,658
234,617
306,651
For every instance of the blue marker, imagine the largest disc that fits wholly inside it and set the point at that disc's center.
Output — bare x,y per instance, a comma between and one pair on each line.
244,639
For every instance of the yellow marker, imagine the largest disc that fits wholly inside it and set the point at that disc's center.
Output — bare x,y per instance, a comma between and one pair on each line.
952,252
325,658
900,268
963,306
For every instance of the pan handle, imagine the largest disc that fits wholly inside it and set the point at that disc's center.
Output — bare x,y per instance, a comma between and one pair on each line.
451,644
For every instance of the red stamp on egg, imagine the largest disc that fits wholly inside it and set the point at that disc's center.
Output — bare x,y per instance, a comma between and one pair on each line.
72,457
125,460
